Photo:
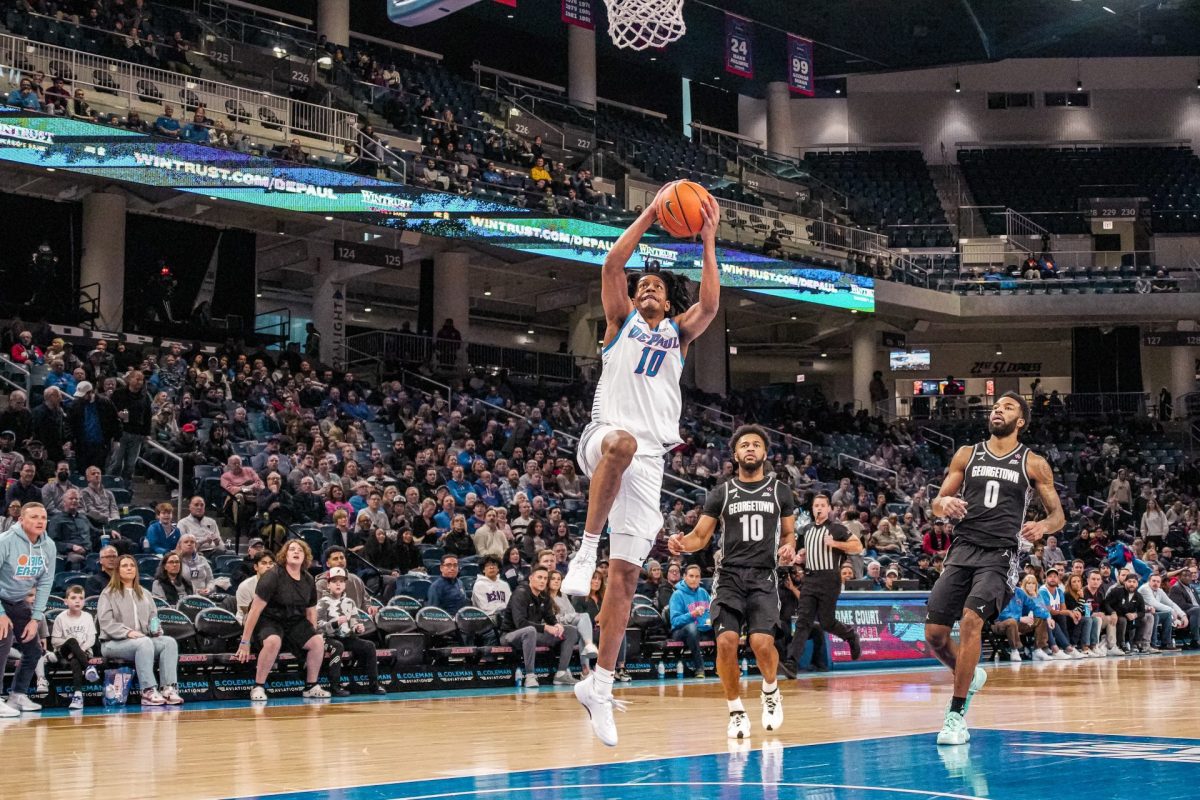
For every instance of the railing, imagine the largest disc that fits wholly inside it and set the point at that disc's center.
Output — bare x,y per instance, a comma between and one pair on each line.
444,389
11,372
1085,404
88,300
943,440
865,469
280,330
1019,227
130,82
716,416
168,457
549,366
1099,504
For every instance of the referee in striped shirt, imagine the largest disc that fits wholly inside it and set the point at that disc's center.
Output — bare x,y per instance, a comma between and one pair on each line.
825,543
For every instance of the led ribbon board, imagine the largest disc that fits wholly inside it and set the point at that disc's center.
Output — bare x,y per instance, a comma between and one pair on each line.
90,149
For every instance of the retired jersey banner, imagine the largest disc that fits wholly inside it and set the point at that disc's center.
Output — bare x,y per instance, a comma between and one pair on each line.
510,3
578,13
738,47
800,65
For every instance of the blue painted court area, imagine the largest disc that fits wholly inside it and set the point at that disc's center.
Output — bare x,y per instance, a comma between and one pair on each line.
999,765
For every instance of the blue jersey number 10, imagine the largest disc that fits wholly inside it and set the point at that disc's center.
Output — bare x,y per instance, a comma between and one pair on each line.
650,362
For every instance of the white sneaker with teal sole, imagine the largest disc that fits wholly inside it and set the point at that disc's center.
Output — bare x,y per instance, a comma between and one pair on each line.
954,730
977,683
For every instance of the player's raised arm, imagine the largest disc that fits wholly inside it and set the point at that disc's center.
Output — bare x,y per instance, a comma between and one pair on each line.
697,539
947,503
1042,476
695,320
614,290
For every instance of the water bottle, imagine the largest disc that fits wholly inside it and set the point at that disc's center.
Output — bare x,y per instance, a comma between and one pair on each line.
104,540
662,670
745,667
520,673
679,668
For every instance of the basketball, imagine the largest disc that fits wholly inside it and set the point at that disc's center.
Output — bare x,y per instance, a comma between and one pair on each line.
679,211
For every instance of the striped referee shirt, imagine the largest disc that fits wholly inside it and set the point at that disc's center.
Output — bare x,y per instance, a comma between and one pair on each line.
820,557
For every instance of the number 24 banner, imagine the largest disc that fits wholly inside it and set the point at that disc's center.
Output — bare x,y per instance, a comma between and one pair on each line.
800,65
739,58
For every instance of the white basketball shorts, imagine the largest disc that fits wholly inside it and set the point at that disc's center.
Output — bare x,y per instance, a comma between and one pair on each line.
636,516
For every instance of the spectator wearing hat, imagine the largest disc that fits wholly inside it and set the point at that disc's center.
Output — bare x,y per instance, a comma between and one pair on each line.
10,460
936,540
891,580
244,569
94,426
338,621
25,352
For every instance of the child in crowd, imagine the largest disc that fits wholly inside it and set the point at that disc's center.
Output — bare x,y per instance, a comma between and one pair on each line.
337,620
72,639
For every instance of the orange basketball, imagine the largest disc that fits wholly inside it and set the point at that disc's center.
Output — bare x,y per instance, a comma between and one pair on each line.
679,209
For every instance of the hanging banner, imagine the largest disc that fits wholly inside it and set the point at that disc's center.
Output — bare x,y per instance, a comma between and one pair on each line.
738,48
509,3
578,13
800,65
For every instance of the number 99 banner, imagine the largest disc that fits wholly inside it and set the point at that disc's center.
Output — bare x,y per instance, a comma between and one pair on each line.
800,65
739,57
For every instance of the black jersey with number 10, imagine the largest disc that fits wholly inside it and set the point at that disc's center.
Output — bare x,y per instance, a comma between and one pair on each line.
996,490
749,515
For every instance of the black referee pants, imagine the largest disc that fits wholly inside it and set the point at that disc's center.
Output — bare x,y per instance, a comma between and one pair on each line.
818,600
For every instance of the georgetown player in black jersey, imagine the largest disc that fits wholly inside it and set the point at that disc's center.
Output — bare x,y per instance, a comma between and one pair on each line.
756,514
988,487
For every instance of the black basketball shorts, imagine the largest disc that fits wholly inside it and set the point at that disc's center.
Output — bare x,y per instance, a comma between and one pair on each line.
981,579
746,599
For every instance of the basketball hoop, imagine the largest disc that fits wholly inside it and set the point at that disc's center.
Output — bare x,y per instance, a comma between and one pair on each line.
639,24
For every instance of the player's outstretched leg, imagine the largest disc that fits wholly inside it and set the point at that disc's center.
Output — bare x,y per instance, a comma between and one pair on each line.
616,454
730,675
595,691
767,657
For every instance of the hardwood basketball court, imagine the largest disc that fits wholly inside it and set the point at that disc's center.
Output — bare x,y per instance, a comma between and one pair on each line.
1069,728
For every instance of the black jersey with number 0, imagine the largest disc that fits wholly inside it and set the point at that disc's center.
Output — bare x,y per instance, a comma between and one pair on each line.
749,515
996,490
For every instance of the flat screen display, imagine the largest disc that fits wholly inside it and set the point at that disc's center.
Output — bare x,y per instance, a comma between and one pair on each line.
909,360
138,158
891,627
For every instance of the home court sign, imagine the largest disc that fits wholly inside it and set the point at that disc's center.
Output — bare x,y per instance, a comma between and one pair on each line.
989,369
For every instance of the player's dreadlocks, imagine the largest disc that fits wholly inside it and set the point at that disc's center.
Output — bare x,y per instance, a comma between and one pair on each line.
679,292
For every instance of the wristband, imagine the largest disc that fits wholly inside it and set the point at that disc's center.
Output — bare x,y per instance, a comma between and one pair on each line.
244,641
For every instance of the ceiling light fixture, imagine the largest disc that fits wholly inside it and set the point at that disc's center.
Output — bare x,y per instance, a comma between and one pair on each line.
329,219
1079,86
367,309
824,354
530,331
487,290
957,87
1109,10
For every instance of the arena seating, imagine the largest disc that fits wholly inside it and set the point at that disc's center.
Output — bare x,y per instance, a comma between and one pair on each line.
1007,176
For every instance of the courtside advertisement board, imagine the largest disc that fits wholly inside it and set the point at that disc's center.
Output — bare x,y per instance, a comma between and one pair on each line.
116,154
891,626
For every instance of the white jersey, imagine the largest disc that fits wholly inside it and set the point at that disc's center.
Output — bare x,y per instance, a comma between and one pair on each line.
639,384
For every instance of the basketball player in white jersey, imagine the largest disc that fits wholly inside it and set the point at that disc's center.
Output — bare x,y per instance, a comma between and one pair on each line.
635,421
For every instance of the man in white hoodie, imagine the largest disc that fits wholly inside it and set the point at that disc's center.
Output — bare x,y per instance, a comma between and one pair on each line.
491,593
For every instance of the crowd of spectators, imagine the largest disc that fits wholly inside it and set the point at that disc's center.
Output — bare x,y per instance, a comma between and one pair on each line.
279,449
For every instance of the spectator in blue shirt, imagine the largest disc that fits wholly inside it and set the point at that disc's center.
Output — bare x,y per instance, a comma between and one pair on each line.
458,486
60,378
466,457
196,131
167,125
689,615
356,407
1025,614
486,490
443,518
25,97
446,592
163,536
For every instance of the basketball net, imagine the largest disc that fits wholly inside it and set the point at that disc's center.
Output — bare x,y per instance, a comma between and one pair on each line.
640,24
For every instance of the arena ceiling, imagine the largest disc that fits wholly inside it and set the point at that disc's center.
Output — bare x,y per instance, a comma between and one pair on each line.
851,35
